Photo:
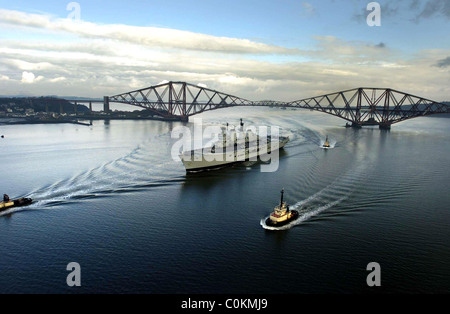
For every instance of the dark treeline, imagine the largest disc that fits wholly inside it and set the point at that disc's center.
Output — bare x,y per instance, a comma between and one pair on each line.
40,104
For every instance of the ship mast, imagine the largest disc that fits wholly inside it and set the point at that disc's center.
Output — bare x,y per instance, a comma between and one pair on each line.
281,202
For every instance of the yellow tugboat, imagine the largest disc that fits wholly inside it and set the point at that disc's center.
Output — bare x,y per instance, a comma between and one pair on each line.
327,143
281,214
8,203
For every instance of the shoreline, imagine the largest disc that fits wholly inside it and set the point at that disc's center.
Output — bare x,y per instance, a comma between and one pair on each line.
77,120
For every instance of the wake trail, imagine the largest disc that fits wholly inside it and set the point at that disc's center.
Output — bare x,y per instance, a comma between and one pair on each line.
332,195
136,171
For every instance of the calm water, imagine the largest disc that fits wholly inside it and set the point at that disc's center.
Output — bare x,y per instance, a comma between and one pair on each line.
111,198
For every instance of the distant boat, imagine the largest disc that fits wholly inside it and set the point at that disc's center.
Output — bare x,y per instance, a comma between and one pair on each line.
327,143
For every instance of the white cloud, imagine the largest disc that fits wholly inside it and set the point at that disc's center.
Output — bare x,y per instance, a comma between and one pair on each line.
29,66
339,72
29,77
103,60
146,36
57,79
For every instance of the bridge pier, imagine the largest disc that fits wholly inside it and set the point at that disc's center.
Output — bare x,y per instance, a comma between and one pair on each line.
106,104
386,126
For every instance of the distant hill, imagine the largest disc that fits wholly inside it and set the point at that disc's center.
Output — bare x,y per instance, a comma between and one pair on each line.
40,104
79,98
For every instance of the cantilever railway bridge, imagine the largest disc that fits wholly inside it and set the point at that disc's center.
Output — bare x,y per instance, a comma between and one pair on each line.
360,106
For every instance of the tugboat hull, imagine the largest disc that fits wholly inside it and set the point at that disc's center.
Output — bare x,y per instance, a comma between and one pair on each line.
15,203
295,215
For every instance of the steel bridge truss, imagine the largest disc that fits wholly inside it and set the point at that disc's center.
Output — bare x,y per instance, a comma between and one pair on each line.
373,106
360,106
179,99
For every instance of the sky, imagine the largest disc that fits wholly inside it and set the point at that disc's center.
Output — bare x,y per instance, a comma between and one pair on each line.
282,50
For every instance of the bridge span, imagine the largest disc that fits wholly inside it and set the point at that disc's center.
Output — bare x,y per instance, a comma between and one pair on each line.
360,106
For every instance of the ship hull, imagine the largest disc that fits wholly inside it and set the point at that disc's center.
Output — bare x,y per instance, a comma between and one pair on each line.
210,161
270,223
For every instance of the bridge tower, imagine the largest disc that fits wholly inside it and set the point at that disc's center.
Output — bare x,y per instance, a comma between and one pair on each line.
105,104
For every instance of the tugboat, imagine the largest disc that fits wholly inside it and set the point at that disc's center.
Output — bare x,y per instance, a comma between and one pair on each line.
8,203
326,144
281,214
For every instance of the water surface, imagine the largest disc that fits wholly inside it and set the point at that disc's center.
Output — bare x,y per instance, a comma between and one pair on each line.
111,198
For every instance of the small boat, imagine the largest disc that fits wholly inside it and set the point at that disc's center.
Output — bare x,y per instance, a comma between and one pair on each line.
281,214
7,204
326,144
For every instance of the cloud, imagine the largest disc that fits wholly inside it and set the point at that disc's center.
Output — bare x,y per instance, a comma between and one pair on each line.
57,79
308,9
334,64
433,8
412,10
414,4
94,63
443,63
380,45
146,36
29,77
336,49
28,66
